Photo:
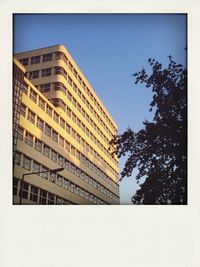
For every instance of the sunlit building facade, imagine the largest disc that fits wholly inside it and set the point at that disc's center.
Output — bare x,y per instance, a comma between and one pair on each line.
59,121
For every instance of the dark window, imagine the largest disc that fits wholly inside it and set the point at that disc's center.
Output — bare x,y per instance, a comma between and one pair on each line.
34,74
56,117
55,136
23,110
36,166
25,190
38,145
20,133
48,129
42,103
34,193
43,196
53,155
18,158
26,163
62,123
24,61
44,88
51,198
46,72
33,96
46,151
49,110
15,186
29,139
35,60
40,124
47,57
31,117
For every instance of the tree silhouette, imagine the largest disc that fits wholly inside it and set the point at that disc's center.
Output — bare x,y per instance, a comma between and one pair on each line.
159,150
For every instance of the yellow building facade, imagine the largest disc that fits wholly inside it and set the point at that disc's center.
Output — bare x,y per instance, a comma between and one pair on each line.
59,121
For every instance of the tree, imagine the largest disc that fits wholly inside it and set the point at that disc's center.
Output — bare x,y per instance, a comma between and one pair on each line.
159,150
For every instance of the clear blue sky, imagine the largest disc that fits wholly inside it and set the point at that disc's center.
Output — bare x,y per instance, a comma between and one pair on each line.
109,48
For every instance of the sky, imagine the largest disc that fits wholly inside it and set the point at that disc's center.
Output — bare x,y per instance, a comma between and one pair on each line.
109,49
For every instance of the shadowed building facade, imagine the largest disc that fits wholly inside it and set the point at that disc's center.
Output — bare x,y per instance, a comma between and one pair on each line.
59,121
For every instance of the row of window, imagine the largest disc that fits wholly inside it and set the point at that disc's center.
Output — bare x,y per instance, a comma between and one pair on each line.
37,195
59,70
57,158
37,59
70,130
61,55
50,112
31,165
44,88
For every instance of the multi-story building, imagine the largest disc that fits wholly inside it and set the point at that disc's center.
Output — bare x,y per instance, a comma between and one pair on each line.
59,121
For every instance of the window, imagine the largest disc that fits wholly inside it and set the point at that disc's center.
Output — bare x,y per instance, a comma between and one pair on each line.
78,138
74,117
20,133
41,103
73,151
69,112
46,151
36,166
47,57
29,139
46,72
62,123
40,124
23,110
74,101
59,180
34,193
55,136
44,173
60,160
66,184
26,163
53,155
77,154
44,88
51,198
38,145
15,186
70,81
43,197
35,60
33,96
49,110
71,188
18,158
25,190
73,134
31,117
74,87
58,200
24,61
68,128
34,74
52,177
56,117
59,70
61,141
25,88
69,96
47,130
67,146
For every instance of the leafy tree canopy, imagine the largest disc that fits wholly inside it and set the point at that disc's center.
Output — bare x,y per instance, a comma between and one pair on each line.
159,150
